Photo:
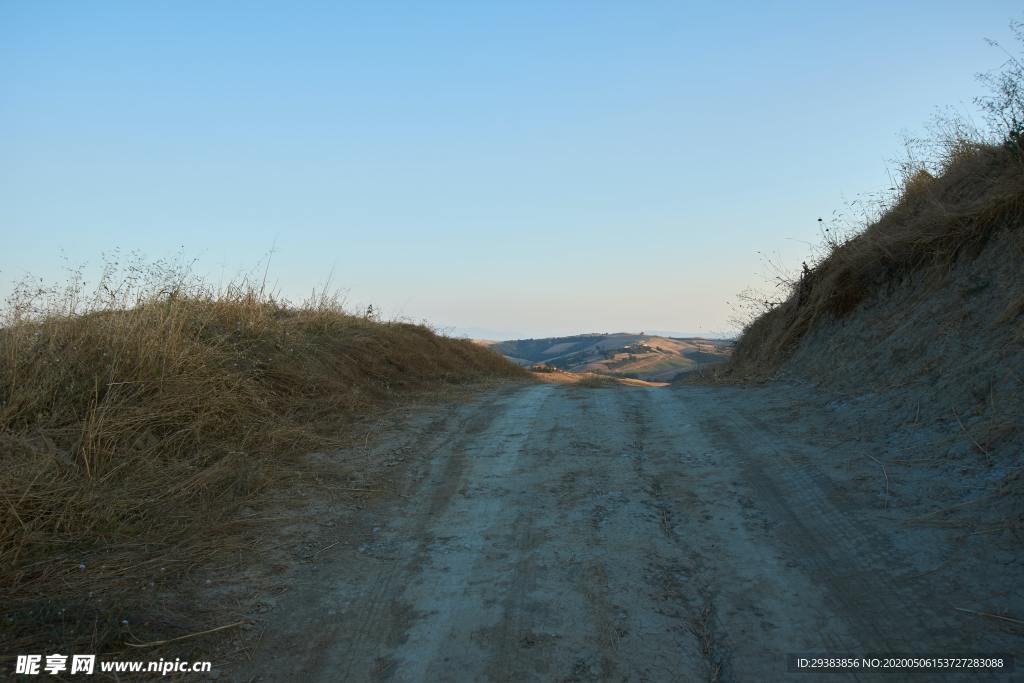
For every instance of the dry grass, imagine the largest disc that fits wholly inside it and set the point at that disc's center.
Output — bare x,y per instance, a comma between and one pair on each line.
935,220
131,434
595,381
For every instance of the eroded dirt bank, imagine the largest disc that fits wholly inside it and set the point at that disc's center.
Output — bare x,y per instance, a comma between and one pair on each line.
689,533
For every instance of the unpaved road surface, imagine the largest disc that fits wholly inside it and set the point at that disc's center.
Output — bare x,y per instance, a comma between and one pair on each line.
561,533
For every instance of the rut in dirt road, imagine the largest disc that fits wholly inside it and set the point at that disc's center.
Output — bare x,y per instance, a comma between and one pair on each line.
562,533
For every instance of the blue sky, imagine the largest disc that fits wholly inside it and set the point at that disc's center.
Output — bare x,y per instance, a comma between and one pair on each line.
523,169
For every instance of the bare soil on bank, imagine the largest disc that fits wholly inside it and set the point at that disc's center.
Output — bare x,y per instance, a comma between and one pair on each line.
565,533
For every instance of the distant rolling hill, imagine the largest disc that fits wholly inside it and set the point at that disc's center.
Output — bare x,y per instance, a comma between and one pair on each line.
621,354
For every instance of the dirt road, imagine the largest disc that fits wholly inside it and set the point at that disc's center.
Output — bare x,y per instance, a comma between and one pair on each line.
561,533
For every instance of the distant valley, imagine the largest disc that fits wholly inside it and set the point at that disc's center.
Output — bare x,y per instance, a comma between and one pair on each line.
621,354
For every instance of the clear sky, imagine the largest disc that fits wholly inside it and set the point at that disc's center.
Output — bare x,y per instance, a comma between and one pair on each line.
503,168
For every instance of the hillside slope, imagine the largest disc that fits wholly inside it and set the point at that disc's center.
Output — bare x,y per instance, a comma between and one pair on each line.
929,299
913,332
133,436
640,356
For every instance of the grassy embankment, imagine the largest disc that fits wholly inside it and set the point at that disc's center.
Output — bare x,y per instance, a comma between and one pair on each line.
961,187
935,220
133,429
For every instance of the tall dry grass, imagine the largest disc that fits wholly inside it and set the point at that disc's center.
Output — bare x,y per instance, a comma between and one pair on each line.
935,220
959,185
136,419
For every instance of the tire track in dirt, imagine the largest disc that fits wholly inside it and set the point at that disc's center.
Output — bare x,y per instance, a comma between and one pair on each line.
849,563
346,628
560,533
